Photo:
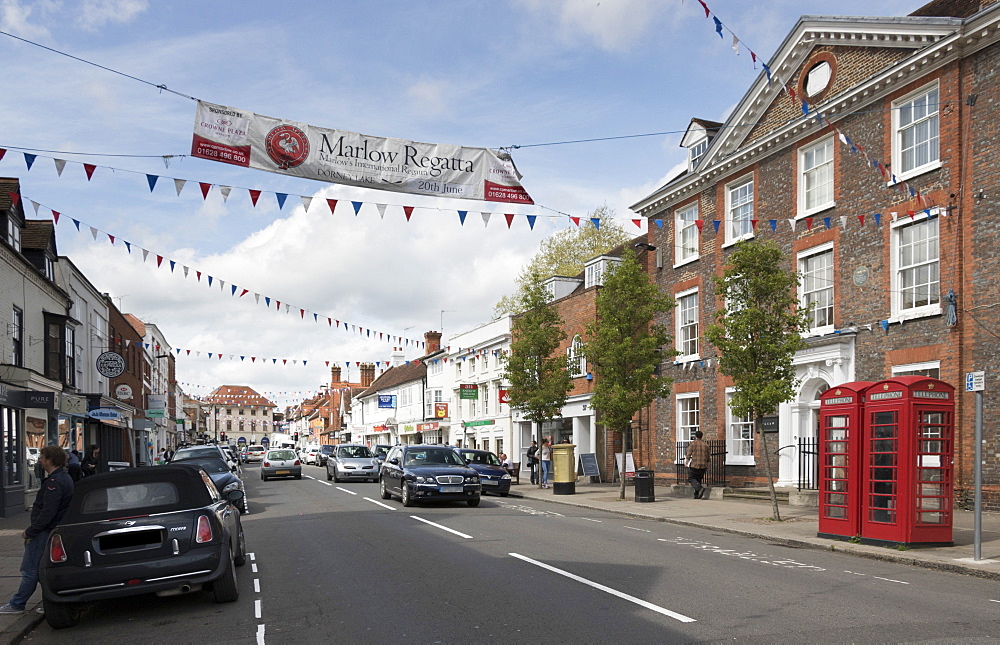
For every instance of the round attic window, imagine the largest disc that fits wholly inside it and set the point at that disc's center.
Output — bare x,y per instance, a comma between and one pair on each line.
818,78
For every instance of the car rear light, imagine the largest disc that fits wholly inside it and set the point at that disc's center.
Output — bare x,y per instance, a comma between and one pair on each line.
297,463
204,532
56,551
267,464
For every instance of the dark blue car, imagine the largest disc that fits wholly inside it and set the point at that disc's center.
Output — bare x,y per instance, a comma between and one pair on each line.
493,477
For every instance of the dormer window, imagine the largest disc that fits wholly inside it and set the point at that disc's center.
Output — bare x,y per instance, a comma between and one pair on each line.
699,134
596,269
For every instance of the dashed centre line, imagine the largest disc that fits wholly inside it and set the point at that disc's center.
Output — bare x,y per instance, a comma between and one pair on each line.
590,520
369,499
256,608
443,528
349,492
637,529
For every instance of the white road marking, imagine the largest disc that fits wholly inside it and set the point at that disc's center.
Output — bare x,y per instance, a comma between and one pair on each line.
613,592
590,520
308,477
256,608
890,580
253,556
855,573
325,483
349,492
256,585
379,503
635,529
260,634
443,528
994,600
253,567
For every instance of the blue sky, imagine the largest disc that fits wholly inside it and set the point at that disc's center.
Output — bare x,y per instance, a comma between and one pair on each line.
490,74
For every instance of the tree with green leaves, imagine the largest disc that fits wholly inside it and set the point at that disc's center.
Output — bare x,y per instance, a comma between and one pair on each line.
536,372
757,332
565,252
625,346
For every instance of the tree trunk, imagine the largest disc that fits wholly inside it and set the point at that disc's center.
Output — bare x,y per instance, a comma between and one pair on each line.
758,425
621,471
538,454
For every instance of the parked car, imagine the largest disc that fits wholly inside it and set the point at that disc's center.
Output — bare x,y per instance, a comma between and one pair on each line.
255,453
492,475
163,530
381,450
324,453
220,472
428,473
281,462
207,450
352,462
311,455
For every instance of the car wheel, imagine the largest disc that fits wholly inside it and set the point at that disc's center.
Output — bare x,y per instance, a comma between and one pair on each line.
225,588
406,497
299,476
241,549
383,491
504,494
474,502
335,478
262,477
328,475
60,615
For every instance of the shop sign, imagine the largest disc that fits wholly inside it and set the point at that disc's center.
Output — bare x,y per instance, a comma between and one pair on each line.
156,413
104,414
484,422
468,391
45,400
440,410
387,400
427,427
158,401
72,404
123,392
110,364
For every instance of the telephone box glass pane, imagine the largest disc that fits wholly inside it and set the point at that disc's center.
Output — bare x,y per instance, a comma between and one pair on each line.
882,467
934,449
930,475
932,518
836,498
837,485
836,512
836,446
836,460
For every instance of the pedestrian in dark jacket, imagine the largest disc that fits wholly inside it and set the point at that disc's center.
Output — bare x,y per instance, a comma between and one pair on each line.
533,461
48,510
91,463
73,465
698,459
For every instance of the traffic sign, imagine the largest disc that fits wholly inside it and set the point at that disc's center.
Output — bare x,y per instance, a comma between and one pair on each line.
975,381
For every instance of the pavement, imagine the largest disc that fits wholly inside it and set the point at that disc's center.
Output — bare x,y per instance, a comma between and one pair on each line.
741,517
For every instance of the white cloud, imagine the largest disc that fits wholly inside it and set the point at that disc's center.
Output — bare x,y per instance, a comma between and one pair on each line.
430,97
611,24
97,13
15,17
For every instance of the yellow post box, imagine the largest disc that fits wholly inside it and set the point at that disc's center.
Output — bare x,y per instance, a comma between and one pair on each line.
564,465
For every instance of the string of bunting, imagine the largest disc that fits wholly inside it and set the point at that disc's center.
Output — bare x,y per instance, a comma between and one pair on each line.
234,291
307,201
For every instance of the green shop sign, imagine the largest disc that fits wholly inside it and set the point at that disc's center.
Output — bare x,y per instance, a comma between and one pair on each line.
484,422
468,391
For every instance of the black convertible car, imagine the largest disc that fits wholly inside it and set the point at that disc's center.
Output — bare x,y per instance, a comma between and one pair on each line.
428,473
165,530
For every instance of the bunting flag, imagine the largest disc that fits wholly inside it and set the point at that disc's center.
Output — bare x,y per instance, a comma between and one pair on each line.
254,196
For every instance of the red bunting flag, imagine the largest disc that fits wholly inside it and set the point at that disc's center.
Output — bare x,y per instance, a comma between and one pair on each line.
302,313
575,220
333,205
14,198
198,273
112,238
637,223
55,216
753,224
510,218
861,218
2,152
253,359
245,292
278,303
408,210
809,223
159,260
699,223
254,195
705,7
329,321
89,168
204,189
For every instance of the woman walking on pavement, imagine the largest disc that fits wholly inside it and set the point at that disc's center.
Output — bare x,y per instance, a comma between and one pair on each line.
545,455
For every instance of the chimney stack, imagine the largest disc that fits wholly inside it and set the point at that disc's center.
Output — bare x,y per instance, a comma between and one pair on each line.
398,357
367,374
334,374
432,342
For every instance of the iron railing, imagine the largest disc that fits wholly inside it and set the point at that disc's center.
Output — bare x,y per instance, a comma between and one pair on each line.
808,463
716,473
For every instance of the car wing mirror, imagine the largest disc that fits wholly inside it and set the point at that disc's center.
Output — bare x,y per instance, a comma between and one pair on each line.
394,461
234,495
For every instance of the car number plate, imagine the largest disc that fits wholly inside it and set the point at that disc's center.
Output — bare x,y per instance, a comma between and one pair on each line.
281,472
489,482
451,489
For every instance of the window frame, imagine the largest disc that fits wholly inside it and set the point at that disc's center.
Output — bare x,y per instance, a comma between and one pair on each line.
17,337
897,147
574,354
897,312
804,209
679,325
680,425
801,258
681,227
732,457
729,222
910,369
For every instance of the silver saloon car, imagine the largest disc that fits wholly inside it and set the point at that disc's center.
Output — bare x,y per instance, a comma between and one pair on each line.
281,462
349,462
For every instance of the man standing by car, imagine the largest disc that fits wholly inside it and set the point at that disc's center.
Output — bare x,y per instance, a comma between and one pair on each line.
50,505
91,462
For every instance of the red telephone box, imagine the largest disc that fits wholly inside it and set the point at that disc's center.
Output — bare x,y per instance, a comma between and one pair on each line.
841,416
907,452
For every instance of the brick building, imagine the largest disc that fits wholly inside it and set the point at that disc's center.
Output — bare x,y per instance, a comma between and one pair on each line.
869,155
